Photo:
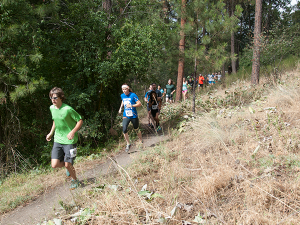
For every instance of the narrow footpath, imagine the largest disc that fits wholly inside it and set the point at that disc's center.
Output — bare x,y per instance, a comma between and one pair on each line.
44,207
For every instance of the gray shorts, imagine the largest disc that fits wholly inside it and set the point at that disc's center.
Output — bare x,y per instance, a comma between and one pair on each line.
66,153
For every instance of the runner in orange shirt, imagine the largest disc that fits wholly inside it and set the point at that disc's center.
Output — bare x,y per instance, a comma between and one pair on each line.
201,80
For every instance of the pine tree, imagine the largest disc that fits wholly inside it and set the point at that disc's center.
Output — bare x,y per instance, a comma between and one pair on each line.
256,47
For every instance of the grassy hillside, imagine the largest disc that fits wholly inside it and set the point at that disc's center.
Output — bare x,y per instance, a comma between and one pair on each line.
235,161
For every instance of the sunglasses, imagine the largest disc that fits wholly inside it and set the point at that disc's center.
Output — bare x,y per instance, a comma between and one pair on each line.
54,98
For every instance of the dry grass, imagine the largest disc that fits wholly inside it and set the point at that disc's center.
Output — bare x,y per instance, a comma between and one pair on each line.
231,165
215,168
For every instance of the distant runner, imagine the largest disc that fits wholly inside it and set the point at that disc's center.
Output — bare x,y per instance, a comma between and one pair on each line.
66,123
158,93
191,83
214,78
146,98
219,76
210,79
154,105
184,89
162,92
201,81
170,89
130,101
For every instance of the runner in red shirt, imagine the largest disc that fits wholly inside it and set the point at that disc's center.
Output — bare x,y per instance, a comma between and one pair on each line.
201,80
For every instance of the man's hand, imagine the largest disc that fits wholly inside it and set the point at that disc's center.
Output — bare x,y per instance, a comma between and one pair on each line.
49,136
70,136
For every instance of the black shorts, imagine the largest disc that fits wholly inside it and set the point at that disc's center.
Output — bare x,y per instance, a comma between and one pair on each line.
153,112
200,85
126,121
170,97
66,153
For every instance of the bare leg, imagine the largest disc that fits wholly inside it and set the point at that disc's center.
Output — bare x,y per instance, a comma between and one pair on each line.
153,121
156,119
149,116
126,138
71,170
56,163
139,134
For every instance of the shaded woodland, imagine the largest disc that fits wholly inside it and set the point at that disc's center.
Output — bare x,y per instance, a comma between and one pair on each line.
90,48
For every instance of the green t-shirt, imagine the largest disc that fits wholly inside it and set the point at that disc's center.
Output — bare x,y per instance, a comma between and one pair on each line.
65,119
169,88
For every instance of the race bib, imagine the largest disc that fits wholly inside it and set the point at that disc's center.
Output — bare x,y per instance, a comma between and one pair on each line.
73,152
154,107
128,113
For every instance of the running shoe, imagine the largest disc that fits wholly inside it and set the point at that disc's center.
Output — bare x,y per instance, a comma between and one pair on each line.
158,128
74,184
150,125
127,147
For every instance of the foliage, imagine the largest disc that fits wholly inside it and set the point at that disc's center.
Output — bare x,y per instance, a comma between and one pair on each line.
86,50
89,50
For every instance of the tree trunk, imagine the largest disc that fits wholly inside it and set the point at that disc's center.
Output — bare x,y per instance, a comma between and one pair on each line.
106,4
233,58
181,54
194,86
256,47
165,11
195,69
223,71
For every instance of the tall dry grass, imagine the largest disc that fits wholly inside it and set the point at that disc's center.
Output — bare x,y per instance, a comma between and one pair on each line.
232,165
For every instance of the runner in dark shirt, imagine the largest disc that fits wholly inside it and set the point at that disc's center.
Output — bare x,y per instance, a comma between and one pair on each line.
170,89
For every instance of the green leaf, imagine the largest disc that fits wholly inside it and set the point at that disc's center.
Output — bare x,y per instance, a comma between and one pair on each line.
36,58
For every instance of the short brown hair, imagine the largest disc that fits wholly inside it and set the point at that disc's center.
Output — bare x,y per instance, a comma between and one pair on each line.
59,93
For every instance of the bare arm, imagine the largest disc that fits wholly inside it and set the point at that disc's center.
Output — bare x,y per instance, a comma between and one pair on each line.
120,110
137,104
70,136
146,99
49,136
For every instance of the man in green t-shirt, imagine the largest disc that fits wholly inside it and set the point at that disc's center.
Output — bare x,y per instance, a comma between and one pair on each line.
66,123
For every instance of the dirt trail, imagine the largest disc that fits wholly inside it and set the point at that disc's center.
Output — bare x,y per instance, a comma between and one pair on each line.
44,207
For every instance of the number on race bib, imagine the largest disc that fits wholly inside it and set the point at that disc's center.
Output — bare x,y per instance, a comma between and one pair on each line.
154,106
128,113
